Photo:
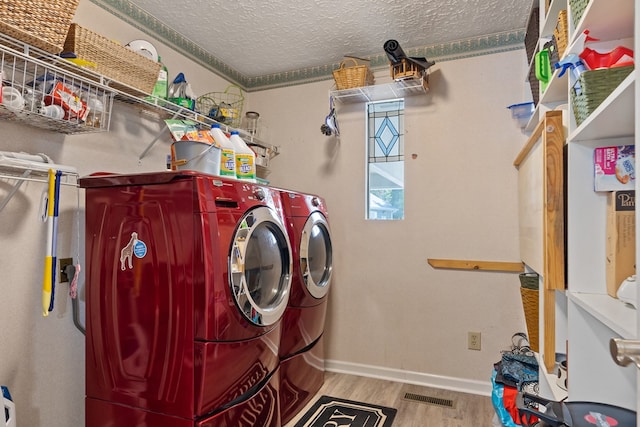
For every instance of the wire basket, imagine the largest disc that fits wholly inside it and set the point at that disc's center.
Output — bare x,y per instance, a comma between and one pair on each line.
354,76
223,107
595,87
529,283
40,23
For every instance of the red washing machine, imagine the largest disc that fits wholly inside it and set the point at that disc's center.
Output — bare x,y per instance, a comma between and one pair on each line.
188,276
301,345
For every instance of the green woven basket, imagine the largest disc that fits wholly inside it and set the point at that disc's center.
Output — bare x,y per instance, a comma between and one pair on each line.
596,86
529,280
529,283
577,10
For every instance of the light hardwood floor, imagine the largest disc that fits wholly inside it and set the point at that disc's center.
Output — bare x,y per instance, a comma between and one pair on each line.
468,409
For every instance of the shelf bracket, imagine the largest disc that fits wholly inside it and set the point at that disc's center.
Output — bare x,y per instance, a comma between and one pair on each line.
27,167
152,143
15,188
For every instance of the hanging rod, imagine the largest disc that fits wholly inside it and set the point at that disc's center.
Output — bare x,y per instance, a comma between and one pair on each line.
22,167
26,177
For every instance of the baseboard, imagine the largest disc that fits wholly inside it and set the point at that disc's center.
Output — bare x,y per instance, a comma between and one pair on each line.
482,388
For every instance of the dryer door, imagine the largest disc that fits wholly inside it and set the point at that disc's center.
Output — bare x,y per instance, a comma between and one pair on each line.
260,266
316,255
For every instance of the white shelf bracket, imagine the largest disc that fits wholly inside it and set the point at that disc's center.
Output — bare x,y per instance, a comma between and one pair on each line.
15,188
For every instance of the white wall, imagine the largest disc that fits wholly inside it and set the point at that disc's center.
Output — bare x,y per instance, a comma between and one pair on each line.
389,310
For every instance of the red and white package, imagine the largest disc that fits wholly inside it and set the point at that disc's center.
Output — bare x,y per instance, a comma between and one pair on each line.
73,106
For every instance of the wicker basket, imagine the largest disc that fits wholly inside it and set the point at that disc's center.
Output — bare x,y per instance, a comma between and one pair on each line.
353,76
40,23
530,299
596,86
561,33
577,10
224,107
532,34
534,84
406,69
131,72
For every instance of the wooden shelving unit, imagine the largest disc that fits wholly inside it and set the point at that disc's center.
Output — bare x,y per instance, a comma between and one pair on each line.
541,209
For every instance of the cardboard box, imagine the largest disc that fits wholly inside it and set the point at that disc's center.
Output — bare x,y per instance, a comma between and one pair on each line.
621,238
614,168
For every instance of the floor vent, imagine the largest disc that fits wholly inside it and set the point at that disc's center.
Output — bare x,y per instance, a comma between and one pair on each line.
430,400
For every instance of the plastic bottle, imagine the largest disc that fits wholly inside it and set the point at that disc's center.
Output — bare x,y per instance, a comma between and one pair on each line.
161,88
9,412
245,158
575,64
227,153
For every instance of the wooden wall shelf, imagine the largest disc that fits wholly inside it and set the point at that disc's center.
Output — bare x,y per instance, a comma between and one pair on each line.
458,264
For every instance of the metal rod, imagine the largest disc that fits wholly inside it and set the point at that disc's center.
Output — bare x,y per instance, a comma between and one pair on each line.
75,308
625,352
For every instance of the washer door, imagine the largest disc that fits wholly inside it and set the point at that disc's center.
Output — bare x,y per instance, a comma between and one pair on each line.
316,255
260,266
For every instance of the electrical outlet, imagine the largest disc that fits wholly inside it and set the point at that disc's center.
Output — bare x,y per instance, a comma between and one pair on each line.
473,341
64,262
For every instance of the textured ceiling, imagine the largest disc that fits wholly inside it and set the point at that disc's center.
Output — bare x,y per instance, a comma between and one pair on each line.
257,38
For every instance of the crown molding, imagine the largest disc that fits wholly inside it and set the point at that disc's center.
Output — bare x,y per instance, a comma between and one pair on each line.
140,19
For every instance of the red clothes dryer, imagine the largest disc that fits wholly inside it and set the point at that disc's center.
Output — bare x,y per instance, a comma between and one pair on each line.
188,276
301,347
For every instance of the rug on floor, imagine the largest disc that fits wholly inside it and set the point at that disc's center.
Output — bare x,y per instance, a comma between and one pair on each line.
331,411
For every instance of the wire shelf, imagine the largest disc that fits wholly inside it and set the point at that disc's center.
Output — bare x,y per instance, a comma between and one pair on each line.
22,167
38,91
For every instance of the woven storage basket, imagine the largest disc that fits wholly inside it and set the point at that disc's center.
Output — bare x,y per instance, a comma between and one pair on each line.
577,10
596,86
532,34
529,293
406,69
40,23
561,33
534,84
353,76
131,72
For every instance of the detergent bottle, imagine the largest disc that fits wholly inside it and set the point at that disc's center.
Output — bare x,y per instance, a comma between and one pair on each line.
161,88
245,158
9,409
227,153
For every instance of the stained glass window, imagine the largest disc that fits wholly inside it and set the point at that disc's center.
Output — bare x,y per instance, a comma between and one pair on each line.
385,159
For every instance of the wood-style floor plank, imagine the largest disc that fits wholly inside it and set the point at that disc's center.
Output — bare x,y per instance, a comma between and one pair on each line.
469,410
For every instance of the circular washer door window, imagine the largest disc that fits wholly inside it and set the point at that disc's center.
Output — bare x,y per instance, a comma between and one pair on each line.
260,267
316,255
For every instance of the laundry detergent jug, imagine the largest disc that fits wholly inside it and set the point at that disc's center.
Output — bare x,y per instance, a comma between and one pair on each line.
245,158
227,153
9,408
